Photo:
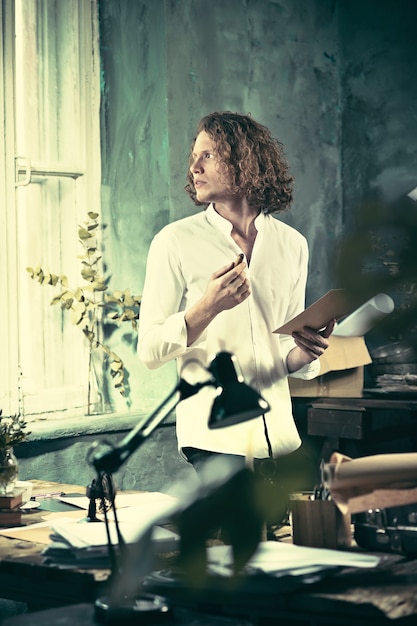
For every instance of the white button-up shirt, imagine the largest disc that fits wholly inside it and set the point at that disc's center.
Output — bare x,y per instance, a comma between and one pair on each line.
182,256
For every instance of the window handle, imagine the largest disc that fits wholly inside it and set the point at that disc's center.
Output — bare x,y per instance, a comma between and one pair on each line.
31,170
27,170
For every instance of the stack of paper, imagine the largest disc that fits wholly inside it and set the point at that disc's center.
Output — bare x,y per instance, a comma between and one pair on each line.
84,544
80,543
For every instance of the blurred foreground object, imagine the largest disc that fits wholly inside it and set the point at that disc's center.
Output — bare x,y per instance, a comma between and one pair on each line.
235,402
378,255
230,498
381,493
231,507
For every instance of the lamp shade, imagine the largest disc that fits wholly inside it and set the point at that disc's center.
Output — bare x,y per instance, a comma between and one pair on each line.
235,402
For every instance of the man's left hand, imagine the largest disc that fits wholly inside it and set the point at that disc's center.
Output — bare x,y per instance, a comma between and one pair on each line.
310,346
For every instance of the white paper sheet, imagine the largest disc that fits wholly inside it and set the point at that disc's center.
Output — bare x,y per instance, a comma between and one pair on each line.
86,535
151,504
274,556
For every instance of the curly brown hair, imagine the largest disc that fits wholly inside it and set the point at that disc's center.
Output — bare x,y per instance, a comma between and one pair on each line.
254,161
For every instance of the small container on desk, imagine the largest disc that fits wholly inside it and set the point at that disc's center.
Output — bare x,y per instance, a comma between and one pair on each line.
318,523
10,513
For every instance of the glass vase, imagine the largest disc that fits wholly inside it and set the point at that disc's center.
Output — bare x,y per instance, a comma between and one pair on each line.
9,470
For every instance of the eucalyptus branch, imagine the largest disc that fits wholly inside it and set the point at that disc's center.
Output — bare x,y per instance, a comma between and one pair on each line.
93,301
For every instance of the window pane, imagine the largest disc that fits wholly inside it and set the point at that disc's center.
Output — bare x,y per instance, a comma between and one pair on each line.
53,128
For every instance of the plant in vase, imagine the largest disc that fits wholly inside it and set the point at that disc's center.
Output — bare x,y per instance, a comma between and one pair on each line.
12,432
93,302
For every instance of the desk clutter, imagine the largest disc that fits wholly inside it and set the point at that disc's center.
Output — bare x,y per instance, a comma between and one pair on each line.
84,615
278,581
71,540
318,523
380,492
10,512
394,369
12,504
391,529
84,544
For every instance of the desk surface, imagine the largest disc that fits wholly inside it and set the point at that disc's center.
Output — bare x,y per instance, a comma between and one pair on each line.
381,401
387,594
24,577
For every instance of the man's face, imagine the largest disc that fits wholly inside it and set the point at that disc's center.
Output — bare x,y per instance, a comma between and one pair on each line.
209,175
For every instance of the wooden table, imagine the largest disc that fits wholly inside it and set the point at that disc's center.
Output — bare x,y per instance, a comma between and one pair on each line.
381,596
24,577
362,426
384,598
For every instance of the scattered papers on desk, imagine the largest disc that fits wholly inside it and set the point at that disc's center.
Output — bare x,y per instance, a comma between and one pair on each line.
80,543
75,542
153,502
84,544
40,531
274,557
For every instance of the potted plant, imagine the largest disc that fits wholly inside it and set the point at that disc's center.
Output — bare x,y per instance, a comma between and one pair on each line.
12,432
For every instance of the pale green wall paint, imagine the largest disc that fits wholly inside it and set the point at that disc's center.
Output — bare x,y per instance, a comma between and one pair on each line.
334,80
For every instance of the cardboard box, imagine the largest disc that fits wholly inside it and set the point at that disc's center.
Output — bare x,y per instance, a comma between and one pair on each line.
341,371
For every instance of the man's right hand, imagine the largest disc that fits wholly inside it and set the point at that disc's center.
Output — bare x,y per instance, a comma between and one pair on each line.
226,288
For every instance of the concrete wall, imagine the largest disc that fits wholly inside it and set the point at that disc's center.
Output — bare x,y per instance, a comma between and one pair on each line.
379,100
165,64
333,79
64,457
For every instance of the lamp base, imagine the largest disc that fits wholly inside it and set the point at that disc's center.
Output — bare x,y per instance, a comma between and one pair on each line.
145,608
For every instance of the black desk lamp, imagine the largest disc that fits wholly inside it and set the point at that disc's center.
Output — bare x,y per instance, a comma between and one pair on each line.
234,403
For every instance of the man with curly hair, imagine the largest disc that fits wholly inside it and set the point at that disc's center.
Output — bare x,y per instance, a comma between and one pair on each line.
197,302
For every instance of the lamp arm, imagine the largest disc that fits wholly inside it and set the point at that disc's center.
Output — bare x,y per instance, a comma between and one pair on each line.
110,460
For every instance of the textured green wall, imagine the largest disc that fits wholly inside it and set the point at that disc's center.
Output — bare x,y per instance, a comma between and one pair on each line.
167,63
333,79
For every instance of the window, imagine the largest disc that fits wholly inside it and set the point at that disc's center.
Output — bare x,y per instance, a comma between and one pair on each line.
50,162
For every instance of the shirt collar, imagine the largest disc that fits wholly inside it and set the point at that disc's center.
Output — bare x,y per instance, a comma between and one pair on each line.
225,226
217,220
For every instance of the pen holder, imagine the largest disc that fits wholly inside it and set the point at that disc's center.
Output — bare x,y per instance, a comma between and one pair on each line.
318,523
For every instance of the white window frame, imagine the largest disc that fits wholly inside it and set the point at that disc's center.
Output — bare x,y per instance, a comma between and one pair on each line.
19,172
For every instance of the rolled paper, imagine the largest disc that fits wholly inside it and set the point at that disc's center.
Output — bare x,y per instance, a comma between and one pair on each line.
378,470
349,479
365,317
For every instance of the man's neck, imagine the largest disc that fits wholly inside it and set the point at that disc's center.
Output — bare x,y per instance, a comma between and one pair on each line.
238,212
242,217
